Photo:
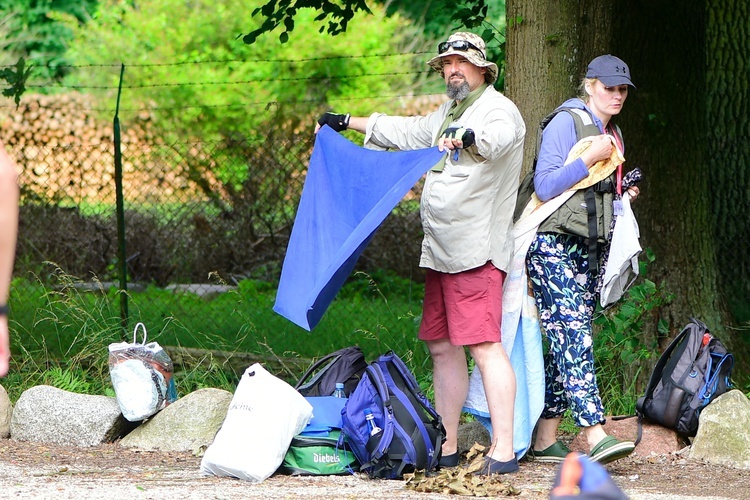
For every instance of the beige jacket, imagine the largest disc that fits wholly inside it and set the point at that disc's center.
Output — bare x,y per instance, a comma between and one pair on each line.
467,209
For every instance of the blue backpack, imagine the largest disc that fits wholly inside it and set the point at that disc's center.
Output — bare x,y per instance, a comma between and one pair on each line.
409,433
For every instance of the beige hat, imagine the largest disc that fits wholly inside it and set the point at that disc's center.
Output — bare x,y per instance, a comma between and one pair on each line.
599,170
467,45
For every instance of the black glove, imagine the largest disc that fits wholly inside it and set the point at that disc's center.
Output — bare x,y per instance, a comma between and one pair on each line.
455,131
336,122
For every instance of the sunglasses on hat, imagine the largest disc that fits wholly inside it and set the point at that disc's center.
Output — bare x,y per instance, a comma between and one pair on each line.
461,45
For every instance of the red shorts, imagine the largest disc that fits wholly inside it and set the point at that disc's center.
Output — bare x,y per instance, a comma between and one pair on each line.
464,307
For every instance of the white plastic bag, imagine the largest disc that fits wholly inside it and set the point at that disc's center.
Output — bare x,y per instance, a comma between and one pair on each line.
621,268
264,415
141,375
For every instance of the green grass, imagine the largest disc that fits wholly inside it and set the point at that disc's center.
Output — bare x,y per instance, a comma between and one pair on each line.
60,332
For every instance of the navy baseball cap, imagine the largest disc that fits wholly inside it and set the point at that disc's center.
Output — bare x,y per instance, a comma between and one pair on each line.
609,70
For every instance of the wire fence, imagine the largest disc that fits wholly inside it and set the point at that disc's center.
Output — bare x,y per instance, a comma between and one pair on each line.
200,218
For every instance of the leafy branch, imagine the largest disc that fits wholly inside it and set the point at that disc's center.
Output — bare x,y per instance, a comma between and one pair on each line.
16,79
278,12
336,14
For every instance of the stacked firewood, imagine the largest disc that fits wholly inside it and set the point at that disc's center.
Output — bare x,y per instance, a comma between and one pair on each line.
64,120
64,148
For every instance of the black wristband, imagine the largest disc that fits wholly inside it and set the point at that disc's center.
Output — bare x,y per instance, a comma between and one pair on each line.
4,310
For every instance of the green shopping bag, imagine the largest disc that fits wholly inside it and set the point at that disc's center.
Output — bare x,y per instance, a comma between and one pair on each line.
318,456
319,450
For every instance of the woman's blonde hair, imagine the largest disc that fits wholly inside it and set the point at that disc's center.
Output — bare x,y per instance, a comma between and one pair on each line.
582,94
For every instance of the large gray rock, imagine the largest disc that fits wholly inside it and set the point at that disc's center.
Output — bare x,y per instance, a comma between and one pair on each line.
188,424
47,414
724,432
6,411
470,433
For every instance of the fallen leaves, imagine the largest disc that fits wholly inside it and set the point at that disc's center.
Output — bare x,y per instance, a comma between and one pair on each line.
468,480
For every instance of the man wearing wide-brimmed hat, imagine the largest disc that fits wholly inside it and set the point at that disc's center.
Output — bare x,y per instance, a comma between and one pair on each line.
466,207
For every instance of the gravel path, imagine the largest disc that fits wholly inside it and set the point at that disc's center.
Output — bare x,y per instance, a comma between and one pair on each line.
109,472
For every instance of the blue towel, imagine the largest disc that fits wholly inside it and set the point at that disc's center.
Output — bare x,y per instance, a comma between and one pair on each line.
326,415
348,193
526,359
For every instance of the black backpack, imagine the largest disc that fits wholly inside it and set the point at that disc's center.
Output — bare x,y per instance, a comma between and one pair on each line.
345,365
693,370
408,433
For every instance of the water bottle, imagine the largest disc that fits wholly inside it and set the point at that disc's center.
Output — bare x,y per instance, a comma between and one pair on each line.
339,391
371,425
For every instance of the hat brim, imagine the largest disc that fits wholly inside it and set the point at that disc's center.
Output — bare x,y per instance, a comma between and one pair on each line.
601,169
471,56
614,81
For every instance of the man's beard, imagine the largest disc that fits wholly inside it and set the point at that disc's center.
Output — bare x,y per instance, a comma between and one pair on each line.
458,92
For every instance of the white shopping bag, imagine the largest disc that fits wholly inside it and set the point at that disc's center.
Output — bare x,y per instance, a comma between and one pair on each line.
141,376
264,415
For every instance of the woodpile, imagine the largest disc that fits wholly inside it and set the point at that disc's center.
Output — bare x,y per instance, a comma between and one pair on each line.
64,149
63,120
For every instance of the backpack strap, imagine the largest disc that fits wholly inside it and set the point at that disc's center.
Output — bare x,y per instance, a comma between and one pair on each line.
585,127
672,407
582,120
329,358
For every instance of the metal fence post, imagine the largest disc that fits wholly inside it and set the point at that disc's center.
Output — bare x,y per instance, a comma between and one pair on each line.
121,254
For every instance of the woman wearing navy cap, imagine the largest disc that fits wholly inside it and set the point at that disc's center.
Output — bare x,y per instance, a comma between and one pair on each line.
562,260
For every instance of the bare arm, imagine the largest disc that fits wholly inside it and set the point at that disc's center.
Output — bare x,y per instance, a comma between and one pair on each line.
8,235
358,123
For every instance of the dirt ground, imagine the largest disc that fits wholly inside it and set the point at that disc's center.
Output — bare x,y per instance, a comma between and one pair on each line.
41,471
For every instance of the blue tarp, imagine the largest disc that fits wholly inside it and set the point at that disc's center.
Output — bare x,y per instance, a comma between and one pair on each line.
348,193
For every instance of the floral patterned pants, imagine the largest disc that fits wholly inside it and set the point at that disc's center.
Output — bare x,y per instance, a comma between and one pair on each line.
564,292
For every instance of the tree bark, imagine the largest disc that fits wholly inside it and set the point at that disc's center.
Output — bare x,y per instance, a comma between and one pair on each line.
549,45
728,130
669,124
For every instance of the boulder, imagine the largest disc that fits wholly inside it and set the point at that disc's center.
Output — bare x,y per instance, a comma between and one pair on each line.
723,436
188,424
6,411
46,414
470,433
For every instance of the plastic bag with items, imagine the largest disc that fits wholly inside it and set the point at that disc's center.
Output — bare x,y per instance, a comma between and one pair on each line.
141,375
263,417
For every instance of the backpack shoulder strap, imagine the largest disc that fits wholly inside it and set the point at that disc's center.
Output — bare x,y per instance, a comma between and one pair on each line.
327,359
582,119
662,362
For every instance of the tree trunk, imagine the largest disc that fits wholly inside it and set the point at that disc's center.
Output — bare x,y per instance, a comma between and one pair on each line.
669,124
666,126
549,45
728,129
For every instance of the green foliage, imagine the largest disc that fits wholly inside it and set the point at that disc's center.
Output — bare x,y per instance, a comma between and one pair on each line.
206,83
337,14
436,19
64,343
32,32
16,79
67,379
621,345
61,330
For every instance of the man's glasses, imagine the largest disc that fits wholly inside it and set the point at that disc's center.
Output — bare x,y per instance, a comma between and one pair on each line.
462,45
